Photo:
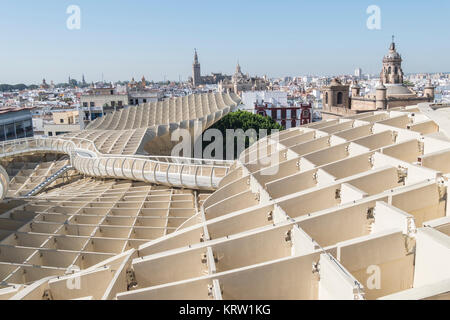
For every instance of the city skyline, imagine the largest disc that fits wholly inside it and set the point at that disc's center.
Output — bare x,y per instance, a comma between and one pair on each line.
157,40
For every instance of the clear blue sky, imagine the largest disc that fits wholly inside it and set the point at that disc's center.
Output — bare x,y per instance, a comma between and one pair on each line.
130,38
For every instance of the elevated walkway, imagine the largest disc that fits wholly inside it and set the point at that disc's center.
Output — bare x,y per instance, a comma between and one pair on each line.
199,174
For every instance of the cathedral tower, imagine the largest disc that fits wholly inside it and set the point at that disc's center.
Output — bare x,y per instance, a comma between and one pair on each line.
196,74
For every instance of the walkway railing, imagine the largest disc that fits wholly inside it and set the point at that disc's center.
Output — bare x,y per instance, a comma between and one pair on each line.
49,180
86,158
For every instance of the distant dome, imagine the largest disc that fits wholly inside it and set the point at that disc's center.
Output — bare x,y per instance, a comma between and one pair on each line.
398,89
393,90
393,55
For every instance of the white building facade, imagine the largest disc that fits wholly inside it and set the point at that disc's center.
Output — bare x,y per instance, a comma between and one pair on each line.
276,98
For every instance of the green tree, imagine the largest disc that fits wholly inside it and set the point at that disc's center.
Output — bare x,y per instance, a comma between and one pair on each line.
9,87
243,120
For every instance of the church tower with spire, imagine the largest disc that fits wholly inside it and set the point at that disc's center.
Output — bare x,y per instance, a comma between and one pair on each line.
392,72
389,93
196,74
238,68
238,75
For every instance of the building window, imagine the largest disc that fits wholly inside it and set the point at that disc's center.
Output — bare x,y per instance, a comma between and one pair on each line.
389,70
120,103
293,113
145,100
305,114
61,120
395,70
28,128
20,130
10,131
92,104
85,104
326,98
113,103
50,134
339,98
2,133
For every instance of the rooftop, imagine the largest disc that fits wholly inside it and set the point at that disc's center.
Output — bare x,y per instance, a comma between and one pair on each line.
352,208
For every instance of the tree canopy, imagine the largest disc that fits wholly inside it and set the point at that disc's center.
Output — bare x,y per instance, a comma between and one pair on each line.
10,87
244,120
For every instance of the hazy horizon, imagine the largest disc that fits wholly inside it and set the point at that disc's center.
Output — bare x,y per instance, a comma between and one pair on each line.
157,39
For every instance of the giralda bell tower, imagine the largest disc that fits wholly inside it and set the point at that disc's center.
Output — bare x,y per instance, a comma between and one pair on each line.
196,75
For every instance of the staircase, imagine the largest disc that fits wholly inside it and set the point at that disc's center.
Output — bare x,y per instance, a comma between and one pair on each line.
49,180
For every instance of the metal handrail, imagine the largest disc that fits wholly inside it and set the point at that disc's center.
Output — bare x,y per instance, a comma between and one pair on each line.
49,180
150,157
87,160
